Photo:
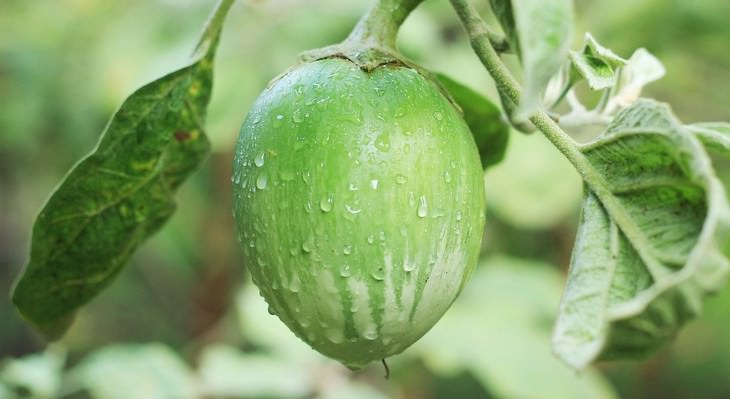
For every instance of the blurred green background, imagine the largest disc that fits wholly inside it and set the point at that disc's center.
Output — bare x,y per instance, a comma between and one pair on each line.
183,321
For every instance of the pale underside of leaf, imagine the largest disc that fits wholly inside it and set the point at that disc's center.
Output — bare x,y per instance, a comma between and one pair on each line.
545,29
714,135
639,272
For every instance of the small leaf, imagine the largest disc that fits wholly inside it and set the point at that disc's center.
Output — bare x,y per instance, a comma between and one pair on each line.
485,121
540,31
120,194
641,271
596,64
714,135
641,69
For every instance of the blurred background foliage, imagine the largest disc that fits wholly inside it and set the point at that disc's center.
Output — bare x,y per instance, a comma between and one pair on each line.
183,320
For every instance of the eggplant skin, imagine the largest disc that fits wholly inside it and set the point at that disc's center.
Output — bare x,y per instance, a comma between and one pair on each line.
359,205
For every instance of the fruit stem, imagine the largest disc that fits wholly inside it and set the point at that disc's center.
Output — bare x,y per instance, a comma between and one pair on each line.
379,26
477,31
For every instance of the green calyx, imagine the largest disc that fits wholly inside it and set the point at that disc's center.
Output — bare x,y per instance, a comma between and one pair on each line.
372,42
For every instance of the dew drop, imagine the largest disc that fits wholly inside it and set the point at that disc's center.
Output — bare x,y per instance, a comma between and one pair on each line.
347,250
271,311
401,179
378,273
406,148
422,207
297,116
279,117
409,266
325,204
371,239
353,187
352,209
307,176
438,115
374,184
295,284
345,271
447,176
307,245
370,333
336,336
259,160
458,215
261,182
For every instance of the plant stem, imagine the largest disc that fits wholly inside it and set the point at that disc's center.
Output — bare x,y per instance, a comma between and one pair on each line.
379,26
212,28
478,36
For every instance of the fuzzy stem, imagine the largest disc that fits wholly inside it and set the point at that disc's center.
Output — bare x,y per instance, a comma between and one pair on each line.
379,26
478,35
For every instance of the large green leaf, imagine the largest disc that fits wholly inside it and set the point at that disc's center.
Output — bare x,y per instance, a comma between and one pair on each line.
120,194
490,131
641,270
540,31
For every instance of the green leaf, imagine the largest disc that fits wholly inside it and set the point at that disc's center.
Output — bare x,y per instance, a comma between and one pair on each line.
540,31
485,121
640,272
596,64
714,135
135,371
120,194
499,330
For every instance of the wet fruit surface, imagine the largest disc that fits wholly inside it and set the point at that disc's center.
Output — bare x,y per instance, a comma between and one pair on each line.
359,203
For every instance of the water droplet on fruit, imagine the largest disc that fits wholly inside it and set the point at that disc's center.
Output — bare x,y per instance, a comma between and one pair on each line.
374,184
307,176
406,148
371,239
352,209
383,142
261,182
400,179
271,310
307,245
447,176
347,250
422,207
409,266
325,204
335,335
378,273
370,333
297,117
279,117
295,284
353,187
259,160
458,215
345,271
438,115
